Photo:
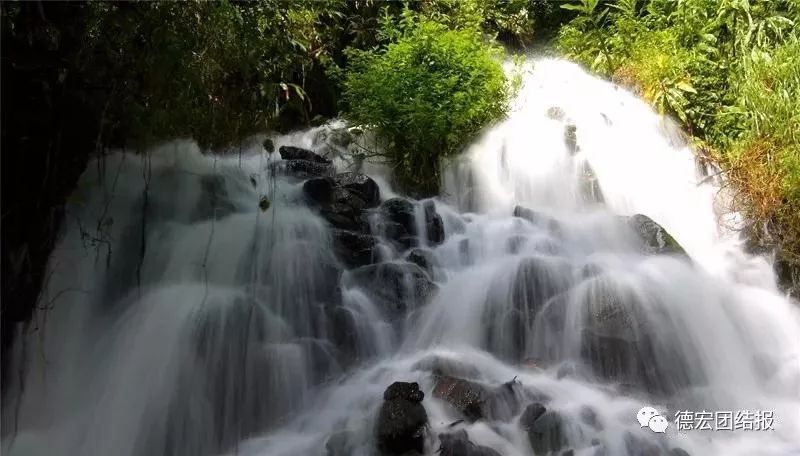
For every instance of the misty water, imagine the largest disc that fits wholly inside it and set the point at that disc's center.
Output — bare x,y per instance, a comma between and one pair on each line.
181,318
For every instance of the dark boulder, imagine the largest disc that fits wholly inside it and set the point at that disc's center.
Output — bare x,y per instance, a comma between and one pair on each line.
515,244
423,258
654,238
398,286
401,420
442,366
620,344
319,190
571,138
305,169
510,324
397,234
545,429
298,153
404,390
539,219
589,418
339,444
344,330
532,413
398,221
339,206
362,186
400,211
269,145
354,249
215,201
474,400
458,444
434,227
503,402
465,396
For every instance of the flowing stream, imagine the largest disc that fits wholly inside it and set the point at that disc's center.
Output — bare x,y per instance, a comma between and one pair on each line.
181,318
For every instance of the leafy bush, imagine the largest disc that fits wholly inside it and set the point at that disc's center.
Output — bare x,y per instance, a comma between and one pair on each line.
428,94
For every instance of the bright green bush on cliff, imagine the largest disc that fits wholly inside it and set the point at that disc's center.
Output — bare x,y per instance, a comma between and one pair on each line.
428,94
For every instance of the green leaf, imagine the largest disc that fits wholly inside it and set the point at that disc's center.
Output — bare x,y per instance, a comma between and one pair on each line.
686,87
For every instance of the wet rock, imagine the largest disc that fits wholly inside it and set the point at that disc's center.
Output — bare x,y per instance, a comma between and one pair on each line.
400,215
354,249
571,138
434,226
464,253
298,153
539,219
319,190
621,345
589,185
400,211
589,417
339,137
403,390
544,428
464,396
339,444
396,233
510,324
611,341
344,330
398,286
515,244
269,145
215,201
458,444
401,420
305,169
361,186
263,203
423,258
555,113
638,446
476,401
442,366
341,207
503,402
569,369
531,414
655,239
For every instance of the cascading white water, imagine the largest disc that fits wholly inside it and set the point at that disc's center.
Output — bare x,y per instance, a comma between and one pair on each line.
182,318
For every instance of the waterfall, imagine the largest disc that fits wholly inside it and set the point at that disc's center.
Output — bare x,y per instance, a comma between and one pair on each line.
243,303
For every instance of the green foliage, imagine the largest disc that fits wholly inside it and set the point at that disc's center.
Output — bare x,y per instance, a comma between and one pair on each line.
211,70
509,20
767,92
728,69
428,93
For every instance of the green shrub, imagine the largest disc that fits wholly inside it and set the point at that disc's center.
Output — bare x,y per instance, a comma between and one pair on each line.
767,90
428,94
